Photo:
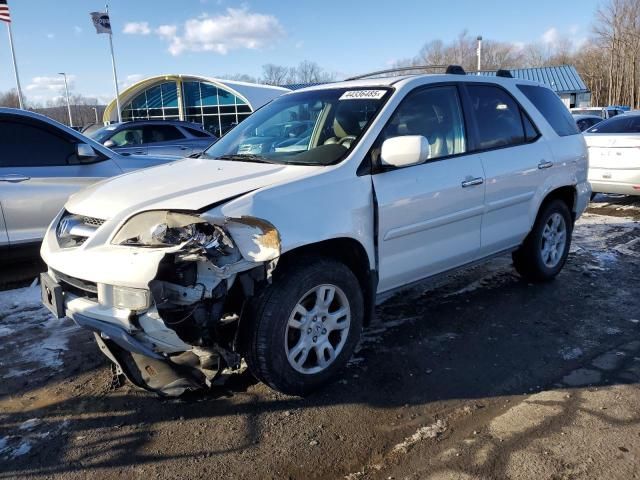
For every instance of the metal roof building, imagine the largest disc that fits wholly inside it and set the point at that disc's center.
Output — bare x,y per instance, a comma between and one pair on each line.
563,79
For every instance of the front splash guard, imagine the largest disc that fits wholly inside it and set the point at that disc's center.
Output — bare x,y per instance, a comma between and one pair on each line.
154,374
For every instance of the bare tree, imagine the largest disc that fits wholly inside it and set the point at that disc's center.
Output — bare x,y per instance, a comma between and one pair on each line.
274,74
9,99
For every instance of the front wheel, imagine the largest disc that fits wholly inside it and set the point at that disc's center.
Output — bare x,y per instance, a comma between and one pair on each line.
544,252
305,325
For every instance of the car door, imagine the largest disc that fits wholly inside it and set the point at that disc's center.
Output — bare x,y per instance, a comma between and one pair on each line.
4,238
128,141
515,161
39,169
429,215
166,140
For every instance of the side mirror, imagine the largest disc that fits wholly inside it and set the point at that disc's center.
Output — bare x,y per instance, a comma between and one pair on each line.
405,151
109,144
85,152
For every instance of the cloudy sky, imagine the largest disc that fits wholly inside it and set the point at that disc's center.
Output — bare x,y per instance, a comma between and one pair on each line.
217,37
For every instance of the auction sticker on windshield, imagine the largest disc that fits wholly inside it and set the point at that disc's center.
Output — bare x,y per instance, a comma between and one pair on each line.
363,95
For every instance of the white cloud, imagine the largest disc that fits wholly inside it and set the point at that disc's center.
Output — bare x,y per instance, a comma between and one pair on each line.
137,28
167,31
235,29
77,30
551,36
45,84
51,36
130,80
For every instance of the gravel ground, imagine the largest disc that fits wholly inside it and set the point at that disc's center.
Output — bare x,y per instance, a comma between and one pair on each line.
479,377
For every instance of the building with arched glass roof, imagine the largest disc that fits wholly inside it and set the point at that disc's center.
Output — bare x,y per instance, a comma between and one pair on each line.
216,104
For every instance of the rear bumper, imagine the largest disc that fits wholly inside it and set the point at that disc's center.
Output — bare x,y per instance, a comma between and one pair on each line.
616,187
626,182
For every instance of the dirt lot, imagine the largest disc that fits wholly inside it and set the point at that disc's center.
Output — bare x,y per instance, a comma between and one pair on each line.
485,376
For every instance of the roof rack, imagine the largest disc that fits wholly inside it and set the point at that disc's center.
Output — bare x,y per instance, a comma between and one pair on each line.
449,69
503,73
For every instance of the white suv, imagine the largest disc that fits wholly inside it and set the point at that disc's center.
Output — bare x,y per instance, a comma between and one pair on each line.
274,245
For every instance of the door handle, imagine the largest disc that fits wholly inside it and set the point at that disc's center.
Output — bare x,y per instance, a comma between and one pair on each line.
182,147
14,178
545,164
472,182
139,152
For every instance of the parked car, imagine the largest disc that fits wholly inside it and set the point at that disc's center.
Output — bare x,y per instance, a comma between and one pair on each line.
614,155
154,137
279,256
585,122
42,162
602,112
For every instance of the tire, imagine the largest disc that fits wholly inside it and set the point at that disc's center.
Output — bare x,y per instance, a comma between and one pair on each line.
530,260
277,333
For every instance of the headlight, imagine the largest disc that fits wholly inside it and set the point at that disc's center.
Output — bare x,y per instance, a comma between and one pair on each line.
165,229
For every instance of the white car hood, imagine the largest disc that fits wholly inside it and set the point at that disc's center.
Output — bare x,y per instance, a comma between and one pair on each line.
189,184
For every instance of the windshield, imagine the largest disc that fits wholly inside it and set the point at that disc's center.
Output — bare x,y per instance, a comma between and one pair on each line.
306,128
618,124
102,134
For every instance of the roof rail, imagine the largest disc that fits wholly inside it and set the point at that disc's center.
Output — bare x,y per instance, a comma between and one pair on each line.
450,69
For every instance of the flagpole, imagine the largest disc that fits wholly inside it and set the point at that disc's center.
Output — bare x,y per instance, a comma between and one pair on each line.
15,65
115,74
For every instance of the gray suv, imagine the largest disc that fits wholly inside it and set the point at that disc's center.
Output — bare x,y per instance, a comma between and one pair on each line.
154,137
43,162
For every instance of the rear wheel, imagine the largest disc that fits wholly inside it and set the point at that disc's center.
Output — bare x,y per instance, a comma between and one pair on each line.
544,252
305,325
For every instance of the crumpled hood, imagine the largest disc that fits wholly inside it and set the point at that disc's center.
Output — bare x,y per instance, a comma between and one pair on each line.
189,184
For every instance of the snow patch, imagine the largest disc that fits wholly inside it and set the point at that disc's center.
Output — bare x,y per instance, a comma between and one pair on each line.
423,433
568,353
38,338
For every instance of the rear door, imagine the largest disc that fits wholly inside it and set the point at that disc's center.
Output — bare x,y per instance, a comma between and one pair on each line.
515,162
429,215
38,172
166,140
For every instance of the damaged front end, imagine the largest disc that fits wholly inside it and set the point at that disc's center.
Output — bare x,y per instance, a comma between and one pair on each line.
196,298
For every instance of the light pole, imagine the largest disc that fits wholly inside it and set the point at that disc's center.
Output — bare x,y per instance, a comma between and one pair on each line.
95,110
479,52
66,89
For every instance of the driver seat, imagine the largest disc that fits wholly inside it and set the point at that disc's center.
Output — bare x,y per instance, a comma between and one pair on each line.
345,128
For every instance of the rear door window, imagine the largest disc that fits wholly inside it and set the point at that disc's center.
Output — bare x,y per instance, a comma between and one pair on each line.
498,118
161,133
552,109
26,145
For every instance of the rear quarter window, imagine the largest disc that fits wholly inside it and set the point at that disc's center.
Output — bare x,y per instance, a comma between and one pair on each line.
552,109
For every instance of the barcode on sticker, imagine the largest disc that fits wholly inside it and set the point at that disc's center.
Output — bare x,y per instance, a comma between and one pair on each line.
363,95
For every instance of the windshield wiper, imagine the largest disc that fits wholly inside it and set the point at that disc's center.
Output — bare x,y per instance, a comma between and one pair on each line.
244,158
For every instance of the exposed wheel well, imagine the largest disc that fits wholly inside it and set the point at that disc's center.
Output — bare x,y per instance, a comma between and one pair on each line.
353,255
567,194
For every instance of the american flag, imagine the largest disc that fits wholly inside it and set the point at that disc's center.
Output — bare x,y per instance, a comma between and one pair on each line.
5,16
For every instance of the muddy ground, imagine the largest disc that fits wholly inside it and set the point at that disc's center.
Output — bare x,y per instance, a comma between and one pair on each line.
485,376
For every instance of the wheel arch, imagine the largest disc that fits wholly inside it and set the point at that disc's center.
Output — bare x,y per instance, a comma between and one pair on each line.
349,252
568,194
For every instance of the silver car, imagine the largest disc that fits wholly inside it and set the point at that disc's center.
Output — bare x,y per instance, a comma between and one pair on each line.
614,155
154,137
43,162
